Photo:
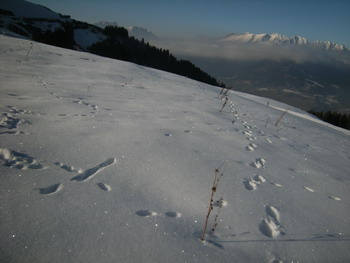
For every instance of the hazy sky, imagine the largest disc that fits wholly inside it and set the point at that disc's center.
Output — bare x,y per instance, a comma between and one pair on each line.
325,20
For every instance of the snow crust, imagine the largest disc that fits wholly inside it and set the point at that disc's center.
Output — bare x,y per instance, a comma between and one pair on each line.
107,161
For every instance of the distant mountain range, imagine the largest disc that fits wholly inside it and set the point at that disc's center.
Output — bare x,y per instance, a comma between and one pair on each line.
308,75
281,40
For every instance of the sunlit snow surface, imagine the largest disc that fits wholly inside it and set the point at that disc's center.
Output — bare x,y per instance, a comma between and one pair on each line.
108,161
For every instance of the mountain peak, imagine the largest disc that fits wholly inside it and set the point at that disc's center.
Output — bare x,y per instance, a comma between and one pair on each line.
141,33
281,40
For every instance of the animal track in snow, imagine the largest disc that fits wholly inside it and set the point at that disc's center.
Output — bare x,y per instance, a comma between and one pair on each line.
270,229
9,121
275,184
68,168
259,179
271,226
173,214
251,147
277,260
50,189
247,133
93,106
15,110
104,187
334,198
258,163
18,160
309,189
89,173
273,212
14,132
252,183
146,213
268,140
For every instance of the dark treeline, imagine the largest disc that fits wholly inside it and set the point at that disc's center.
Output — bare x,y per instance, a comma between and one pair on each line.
119,45
60,37
338,119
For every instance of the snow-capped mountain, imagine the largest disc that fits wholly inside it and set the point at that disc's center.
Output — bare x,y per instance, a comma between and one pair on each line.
279,39
141,33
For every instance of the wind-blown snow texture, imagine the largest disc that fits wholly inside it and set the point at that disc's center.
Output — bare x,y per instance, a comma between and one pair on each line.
108,161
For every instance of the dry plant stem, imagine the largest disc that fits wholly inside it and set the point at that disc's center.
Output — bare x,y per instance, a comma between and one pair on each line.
280,118
226,92
213,190
222,90
221,200
223,106
267,121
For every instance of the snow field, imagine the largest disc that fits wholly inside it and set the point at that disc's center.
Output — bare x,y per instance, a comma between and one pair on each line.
104,161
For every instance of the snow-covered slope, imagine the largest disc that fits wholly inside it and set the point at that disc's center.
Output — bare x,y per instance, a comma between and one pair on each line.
279,39
108,161
34,21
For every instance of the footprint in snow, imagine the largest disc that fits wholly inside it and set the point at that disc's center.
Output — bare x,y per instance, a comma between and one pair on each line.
104,187
52,189
68,168
149,213
274,213
19,160
251,147
258,163
173,214
146,213
270,229
271,226
252,183
89,173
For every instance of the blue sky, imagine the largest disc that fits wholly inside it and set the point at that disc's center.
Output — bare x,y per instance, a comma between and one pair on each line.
314,19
